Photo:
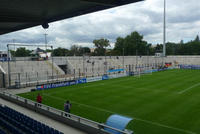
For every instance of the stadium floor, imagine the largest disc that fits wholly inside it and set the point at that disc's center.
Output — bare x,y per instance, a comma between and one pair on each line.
162,103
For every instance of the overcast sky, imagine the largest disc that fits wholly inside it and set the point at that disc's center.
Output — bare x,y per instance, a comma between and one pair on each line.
183,22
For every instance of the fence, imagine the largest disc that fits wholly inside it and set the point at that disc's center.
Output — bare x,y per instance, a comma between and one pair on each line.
83,124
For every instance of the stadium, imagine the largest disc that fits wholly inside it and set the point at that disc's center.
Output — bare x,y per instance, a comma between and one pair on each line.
109,94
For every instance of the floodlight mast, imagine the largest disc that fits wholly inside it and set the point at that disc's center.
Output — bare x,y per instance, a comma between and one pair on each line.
164,30
8,60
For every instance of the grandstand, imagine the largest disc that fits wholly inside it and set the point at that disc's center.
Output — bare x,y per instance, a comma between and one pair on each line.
26,72
30,72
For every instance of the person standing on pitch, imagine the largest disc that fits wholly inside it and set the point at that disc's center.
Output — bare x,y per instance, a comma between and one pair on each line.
39,99
67,107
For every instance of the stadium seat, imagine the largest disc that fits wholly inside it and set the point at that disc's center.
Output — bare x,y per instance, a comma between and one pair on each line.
18,123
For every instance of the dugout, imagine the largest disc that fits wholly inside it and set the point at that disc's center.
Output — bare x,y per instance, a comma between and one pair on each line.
119,122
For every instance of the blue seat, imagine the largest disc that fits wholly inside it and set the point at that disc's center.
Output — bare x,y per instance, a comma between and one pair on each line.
18,123
2,132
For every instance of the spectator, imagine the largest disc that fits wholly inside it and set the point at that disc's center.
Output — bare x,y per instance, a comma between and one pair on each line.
67,107
39,99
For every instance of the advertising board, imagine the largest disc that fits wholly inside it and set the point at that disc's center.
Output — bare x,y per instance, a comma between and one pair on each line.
92,79
61,84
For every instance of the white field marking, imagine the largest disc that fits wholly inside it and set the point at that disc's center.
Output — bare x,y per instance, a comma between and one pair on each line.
185,90
139,119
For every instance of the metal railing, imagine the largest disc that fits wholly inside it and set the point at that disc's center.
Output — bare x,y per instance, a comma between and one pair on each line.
69,116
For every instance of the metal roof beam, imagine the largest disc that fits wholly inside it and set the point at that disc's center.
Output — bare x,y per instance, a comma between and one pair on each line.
111,3
16,19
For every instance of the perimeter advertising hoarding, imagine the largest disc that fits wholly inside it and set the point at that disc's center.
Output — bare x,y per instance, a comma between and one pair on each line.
112,76
92,79
61,84
115,70
189,67
78,81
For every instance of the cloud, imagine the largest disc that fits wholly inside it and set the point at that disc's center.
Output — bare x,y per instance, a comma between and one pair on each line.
183,21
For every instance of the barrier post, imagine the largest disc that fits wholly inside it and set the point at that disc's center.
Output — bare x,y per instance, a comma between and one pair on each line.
47,77
26,78
79,72
37,78
19,78
74,73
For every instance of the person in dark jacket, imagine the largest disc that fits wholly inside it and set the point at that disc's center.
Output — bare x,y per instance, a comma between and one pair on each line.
67,107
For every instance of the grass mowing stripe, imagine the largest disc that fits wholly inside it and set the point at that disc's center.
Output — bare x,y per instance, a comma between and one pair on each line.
108,111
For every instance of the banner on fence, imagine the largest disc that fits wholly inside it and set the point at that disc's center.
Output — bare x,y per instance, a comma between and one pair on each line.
105,77
92,79
115,70
78,81
61,84
4,59
82,80
112,76
197,67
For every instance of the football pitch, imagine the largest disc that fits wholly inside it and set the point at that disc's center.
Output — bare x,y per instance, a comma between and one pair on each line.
165,102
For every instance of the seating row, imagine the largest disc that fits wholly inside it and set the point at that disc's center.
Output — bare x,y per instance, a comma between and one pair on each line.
2,132
18,123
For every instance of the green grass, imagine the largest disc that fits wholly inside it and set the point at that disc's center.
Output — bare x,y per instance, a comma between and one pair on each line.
165,102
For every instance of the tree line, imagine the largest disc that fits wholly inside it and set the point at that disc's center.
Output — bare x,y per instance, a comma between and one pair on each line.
132,44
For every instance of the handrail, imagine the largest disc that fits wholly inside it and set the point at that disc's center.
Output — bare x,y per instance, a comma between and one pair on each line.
73,117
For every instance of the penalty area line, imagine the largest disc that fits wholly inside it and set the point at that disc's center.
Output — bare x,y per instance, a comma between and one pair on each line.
139,119
185,90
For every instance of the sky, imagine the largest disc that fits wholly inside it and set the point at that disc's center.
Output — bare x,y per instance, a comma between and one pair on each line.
146,17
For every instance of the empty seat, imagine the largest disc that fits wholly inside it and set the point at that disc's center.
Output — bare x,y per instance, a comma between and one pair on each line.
18,123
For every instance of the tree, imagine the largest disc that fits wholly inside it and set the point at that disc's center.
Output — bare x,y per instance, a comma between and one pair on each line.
158,48
197,39
132,44
74,50
101,45
181,42
171,48
119,46
22,52
12,52
84,50
60,52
